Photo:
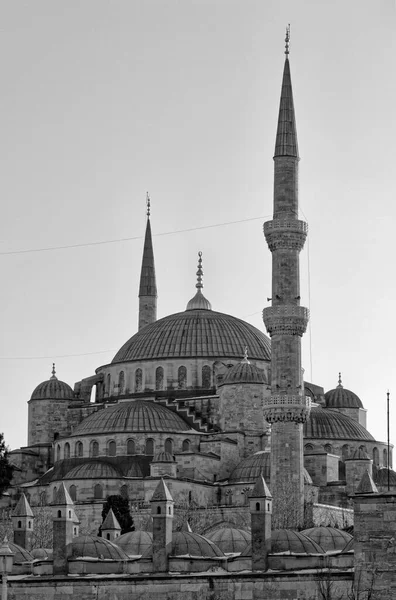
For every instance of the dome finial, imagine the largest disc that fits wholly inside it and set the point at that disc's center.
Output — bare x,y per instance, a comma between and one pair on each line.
245,356
148,204
339,381
199,301
287,40
199,284
53,372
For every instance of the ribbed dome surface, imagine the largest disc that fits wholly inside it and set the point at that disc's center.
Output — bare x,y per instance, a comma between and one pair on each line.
135,543
340,397
193,544
135,415
94,470
53,389
331,424
381,477
96,547
286,540
163,457
243,372
230,540
195,333
350,545
21,555
328,538
42,553
250,468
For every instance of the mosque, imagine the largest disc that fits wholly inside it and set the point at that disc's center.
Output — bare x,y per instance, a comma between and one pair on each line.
201,409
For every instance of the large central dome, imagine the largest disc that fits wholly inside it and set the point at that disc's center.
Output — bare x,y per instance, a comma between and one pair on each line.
196,334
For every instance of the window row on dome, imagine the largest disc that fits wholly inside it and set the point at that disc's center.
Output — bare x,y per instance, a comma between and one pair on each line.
139,380
111,448
379,456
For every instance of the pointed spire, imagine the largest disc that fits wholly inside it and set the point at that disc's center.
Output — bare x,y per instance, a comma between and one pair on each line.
110,521
53,372
199,302
161,493
286,135
339,381
260,489
22,508
62,497
148,283
367,485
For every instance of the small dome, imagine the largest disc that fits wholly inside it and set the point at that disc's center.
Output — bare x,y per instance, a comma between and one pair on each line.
135,543
21,555
53,389
243,372
350,545
359,454
230,540
328,538
286,540
96,547
134,415
163,457
381,477
190,544
92,470
340,397
42,553
250,468
324,423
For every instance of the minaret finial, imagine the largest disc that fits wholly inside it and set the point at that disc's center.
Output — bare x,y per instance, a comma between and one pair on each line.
53,372
287,40
148,204
199,301
339,380
199,284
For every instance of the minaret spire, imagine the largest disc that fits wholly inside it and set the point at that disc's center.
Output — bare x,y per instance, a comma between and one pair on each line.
287,408
148,284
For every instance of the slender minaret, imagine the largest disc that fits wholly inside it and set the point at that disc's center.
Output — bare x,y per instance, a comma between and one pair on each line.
260,501
162,514
22,520
287,408
148,284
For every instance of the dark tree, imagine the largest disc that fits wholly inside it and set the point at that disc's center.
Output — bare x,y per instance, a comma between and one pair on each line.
6,469
120,506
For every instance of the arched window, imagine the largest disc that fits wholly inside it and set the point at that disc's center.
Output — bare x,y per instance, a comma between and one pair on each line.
375,456
308,448
59,514
150,447
131,447
66,451
108,381
182,378
73,492
385,455
94,448
158,510
186,446
98,491
206,377
19,524
79,449
328,448
159,378
138,380
345,452
121,382
169,446
112,448
124,491
93,394
108,536
257,505
58,451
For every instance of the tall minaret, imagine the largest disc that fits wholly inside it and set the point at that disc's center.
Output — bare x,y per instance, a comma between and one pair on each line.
148,284
286,321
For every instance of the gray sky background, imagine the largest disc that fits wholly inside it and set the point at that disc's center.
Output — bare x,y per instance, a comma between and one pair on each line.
103,100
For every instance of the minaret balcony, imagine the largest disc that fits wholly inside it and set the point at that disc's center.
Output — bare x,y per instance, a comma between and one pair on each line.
289,234
286,319
287,407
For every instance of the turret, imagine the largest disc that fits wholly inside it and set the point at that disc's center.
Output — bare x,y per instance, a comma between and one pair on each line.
162,513
148,284
110,528
65,527
22,521
287,408
261,517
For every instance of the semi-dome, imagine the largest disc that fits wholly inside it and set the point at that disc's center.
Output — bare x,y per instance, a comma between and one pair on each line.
250,468
53,389
195,333
230,540
135,543
134,415
286,540
328,538
93,470
243,372
324,423
96,547
340,397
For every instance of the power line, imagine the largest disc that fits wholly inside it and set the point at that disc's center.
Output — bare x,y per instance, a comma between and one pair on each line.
53,356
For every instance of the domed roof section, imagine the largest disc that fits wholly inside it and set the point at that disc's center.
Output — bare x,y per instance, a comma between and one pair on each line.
286,540
324,423
350,545
131,416
42,553
135,543
381,477
96,547
328,538
195,333
230,540
243,372
340,397
92,470
21,555
250,468
164,457
53,389
359,454
193,544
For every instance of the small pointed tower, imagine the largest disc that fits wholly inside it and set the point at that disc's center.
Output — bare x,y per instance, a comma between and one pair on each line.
286,321
65,528
111,529
148,284
22,521
261,517
162,513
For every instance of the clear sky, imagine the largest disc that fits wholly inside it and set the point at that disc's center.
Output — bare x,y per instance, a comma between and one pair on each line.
102,100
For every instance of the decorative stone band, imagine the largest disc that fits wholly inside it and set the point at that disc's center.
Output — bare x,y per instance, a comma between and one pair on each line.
285,407
289,234
286,319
